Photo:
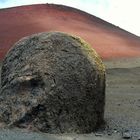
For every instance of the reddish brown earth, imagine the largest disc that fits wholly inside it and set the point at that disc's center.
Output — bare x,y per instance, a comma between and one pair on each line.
108,40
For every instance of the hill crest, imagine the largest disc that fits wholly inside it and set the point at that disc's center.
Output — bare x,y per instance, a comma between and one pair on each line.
108,40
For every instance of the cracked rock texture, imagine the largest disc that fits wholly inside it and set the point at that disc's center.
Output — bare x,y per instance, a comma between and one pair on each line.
52,82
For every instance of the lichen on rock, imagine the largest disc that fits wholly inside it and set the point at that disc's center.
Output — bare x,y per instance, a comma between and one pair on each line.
53,82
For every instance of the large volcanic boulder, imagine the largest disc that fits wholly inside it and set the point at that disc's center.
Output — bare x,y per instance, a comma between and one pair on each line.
53,82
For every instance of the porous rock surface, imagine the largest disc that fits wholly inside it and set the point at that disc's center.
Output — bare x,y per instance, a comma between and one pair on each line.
52,82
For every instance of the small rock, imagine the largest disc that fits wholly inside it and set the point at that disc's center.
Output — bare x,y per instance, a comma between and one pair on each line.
109,133
115,131
98,134
139,138
118,104
126,135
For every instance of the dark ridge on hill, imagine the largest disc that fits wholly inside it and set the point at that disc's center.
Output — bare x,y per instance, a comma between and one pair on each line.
109,40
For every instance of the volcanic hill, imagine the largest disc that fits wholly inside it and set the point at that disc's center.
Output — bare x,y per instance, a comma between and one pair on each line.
108,40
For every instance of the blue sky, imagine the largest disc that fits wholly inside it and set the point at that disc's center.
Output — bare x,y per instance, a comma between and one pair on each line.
123,13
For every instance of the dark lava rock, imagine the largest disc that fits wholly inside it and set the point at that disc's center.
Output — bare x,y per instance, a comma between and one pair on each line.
53,82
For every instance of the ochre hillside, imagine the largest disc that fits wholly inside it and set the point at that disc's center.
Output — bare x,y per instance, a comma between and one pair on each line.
108,40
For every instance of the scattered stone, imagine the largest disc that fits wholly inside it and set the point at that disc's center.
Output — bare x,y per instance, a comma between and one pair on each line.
118,104
115,131
109,133
54,83
98,134
126,135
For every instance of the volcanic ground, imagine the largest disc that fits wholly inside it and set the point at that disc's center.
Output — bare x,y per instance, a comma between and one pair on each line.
119,49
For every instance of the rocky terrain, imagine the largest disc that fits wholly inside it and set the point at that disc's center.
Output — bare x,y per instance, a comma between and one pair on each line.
119,49
122,111
123,102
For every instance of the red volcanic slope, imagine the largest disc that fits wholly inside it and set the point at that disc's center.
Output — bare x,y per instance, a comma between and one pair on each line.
108,40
